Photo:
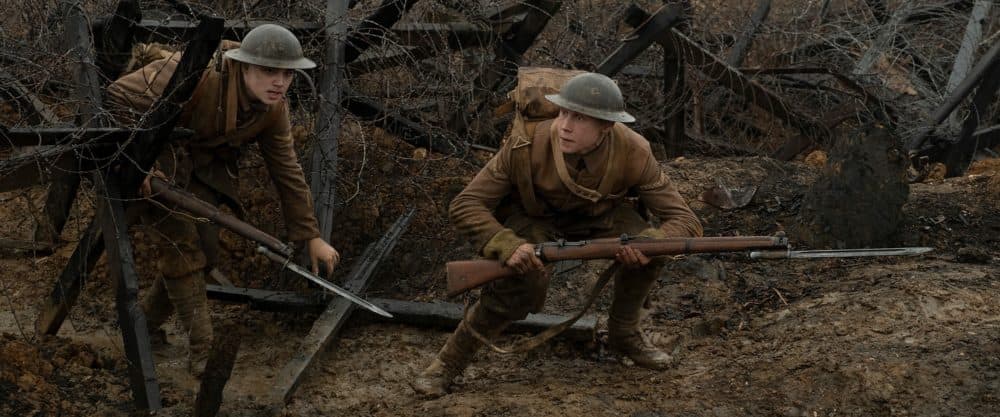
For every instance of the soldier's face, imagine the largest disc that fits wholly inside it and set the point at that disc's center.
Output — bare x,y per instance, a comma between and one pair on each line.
267,85
579,133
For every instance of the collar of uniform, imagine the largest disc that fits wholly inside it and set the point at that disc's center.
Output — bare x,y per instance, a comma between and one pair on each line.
560,161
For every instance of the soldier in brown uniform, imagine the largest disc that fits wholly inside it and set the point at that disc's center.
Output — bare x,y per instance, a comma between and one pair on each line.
567,178
237,100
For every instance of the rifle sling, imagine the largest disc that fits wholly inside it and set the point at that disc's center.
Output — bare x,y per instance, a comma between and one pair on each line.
540,339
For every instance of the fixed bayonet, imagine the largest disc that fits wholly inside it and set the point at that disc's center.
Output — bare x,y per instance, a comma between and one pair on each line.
322,282
837,253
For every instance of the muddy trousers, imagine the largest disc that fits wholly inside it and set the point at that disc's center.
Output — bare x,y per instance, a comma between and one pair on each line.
181,288
511,299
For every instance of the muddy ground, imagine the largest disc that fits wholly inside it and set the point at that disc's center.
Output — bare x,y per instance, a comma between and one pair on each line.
860,337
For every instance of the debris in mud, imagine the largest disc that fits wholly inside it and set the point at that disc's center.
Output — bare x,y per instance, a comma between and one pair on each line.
60,377
973,255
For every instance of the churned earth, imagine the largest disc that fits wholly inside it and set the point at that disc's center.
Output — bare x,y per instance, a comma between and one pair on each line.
858,337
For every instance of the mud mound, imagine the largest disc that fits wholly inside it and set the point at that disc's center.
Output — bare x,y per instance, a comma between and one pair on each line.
859,198
60,377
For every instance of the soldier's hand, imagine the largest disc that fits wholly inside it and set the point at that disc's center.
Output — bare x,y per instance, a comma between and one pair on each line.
524,260
146,188
631,257
320,251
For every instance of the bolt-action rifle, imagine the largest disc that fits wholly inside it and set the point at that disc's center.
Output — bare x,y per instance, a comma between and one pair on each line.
268,245
466,275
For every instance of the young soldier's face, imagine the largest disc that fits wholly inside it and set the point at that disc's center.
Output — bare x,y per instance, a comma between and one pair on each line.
267,85
579,133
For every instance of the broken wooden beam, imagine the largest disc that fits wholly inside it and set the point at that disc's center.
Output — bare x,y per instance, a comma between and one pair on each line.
739,51
61,136
63,296
121,269
410,130
959,155
453,36
62,191
734,80
964,59
114,41
982,68
886,38
434,314
390,59
40,165
644,35
38,112
371,29
325,327
507,58
24,245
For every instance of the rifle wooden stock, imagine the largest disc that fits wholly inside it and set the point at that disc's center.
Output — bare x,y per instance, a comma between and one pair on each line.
466,275
167,193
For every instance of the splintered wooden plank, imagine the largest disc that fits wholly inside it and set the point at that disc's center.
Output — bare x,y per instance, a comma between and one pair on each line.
121,268
337,311
644,35
436,314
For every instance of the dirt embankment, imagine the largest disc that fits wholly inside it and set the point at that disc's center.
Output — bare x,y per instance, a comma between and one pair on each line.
861,337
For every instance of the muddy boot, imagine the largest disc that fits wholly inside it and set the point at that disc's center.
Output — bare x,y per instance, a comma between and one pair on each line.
158,309
624,334
187,294
456,354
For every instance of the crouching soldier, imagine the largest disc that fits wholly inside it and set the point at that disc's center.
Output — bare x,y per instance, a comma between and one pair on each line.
237,100
563,178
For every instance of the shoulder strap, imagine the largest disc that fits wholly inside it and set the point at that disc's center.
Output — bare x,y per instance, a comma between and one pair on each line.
523,136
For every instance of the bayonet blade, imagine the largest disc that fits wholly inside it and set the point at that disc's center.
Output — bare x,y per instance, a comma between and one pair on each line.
839,253
322,282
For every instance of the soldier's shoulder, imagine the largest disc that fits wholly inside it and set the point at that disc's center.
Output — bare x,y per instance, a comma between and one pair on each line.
635,142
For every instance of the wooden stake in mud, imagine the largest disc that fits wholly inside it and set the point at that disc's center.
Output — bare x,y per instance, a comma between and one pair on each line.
63,189
324,158
121,267
117,187
329,323
218,369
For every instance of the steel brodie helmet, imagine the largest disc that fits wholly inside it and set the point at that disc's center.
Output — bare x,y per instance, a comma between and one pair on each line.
272,46
595,95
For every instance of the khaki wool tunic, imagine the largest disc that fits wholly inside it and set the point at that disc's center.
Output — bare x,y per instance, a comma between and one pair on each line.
537,179
224,119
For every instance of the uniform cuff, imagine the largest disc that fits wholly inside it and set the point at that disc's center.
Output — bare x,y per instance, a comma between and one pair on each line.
502,245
